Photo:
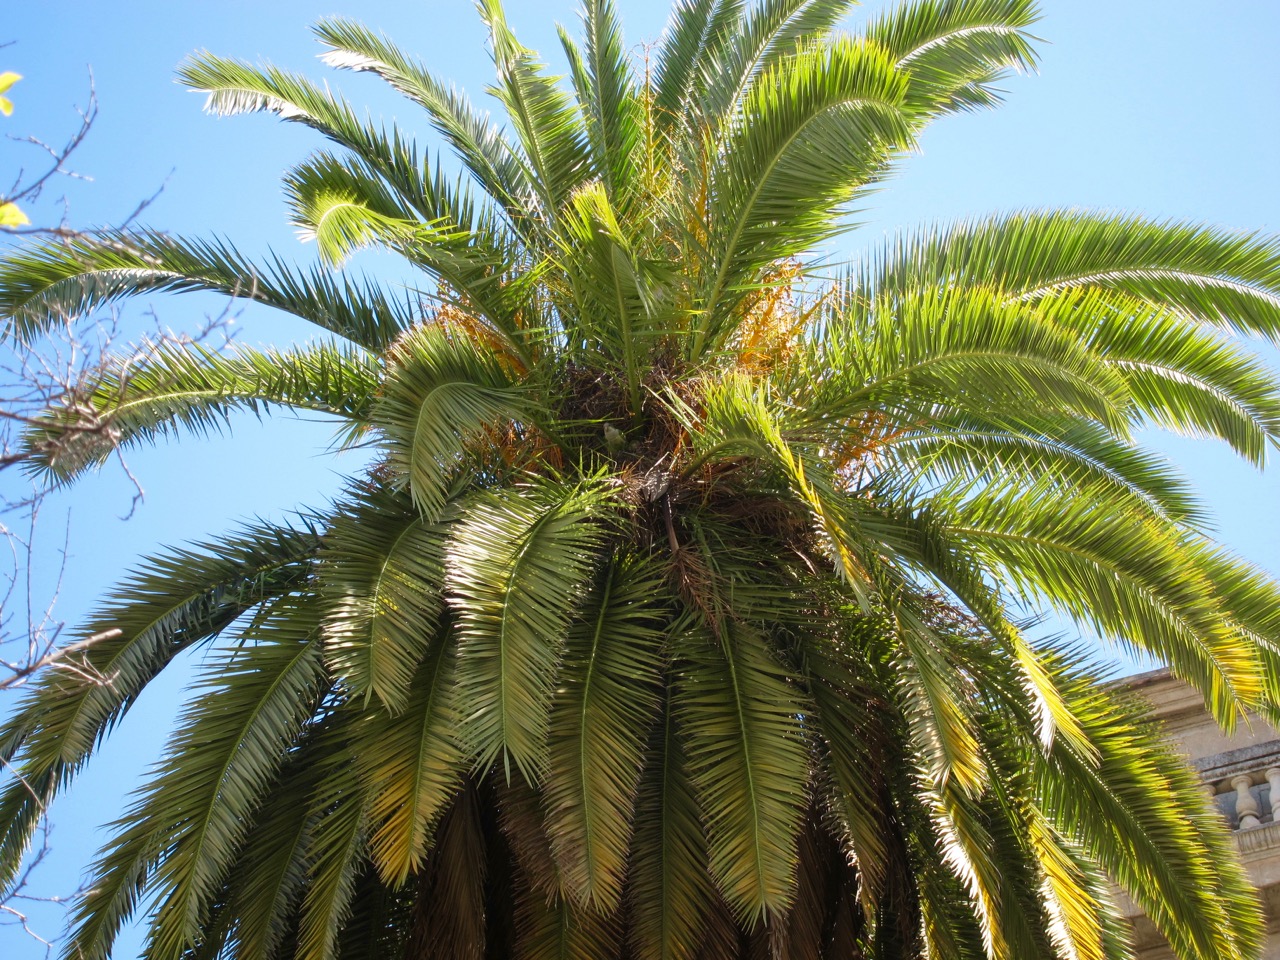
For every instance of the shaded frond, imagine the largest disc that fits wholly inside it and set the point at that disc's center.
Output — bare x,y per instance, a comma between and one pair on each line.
516,566
601,716
380,574
741,718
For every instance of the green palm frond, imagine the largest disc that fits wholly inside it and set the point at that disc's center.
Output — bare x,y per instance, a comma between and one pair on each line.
453,917
561,931
968,351
851,695
933,697
955,50
606,703
179,387
814,129
340,222
1148,824
516,565
379,922
618,310
64,281
608,96
346,203
413,764
1181,376
671,893
267,882
176,601
1217,277
199,802
490,159
336,850
1079,555
741,718
694,41
974,451
547,122
235,87
969,853
768,33
439,393
380,575
1074,903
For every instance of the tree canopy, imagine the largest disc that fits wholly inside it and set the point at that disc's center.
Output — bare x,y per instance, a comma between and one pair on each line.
682,613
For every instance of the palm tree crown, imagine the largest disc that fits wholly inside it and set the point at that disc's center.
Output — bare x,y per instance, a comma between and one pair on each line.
679,616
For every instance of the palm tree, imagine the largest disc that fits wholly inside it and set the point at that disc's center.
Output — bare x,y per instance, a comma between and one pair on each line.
681,615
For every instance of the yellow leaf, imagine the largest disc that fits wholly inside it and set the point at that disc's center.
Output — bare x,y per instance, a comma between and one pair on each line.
11,216
7,80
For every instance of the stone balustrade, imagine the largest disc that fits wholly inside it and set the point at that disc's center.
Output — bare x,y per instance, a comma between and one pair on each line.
1245,783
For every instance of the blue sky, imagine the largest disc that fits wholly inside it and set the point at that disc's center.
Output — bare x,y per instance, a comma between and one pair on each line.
1169,108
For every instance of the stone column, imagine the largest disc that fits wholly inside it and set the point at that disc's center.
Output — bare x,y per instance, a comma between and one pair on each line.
1273,778
1246,806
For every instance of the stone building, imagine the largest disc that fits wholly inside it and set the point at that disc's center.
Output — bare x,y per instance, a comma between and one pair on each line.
1243,770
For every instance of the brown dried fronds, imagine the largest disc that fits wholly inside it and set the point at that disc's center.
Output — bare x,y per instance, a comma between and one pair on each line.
862,450
591,395
517,447
774,319
458,322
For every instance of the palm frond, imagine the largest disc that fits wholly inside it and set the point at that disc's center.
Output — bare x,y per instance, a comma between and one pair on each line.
558,930
606,703
179,387
609,99
852,717
1081,556
545,118
967,350
1224,279
972,450
267,881
380,575
693,45
440,392
516,566
413,765
174,602
336,856
1181,375
452,918
768,33
198,803
1148,823
490,159
955,50
59,282
670,889
814,129
345,203
741,719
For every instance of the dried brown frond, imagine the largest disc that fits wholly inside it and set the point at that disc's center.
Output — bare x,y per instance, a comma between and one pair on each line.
457,322
771,320
860,452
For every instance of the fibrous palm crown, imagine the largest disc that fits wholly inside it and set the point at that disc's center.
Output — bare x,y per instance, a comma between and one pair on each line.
680,614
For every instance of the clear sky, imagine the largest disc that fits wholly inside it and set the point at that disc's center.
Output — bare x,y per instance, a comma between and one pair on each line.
1167,107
